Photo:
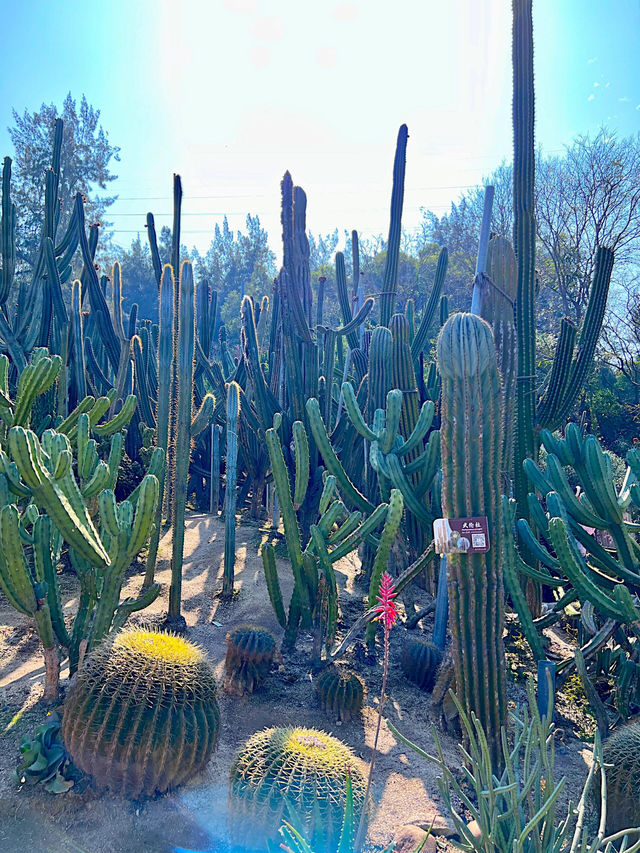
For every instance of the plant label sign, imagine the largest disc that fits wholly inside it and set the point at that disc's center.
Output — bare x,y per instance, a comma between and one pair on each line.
461,535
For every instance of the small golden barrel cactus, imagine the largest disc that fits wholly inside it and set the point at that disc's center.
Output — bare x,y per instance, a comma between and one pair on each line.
341,692
420,661
142,716
250,653
306,768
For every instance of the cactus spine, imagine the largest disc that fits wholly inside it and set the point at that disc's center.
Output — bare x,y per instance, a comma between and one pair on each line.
471,437
233,412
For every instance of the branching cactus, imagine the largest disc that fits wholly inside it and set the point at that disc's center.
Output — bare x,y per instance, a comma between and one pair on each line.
565,552
43,503
471,437
314,601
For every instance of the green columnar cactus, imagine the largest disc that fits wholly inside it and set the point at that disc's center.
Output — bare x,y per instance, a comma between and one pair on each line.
182,437
524,239
341,692
498,310
230,492
79,370
304,769
565,380
165,396
381,560
422,335
471,438
142,717
390,281
420,661
250,653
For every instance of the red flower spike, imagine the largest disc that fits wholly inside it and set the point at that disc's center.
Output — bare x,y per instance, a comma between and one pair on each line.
386,610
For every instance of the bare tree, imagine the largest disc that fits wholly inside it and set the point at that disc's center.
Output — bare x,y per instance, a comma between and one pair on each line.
588,198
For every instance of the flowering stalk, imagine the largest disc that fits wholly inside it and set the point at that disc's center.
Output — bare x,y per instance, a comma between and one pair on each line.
387,614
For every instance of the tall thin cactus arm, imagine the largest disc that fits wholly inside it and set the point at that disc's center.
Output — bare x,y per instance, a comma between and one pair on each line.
163,412
230,494
390,280
524,239
185,355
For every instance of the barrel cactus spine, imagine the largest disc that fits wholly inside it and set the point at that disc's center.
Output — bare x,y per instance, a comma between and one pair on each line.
142,717
471,436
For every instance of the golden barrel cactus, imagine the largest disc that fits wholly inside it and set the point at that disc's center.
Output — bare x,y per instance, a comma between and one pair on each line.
142,717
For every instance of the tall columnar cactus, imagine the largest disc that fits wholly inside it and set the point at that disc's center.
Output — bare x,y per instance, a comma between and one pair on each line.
524,231
498,305
163,413
471,437
230,493
184,356
390,280
142,717
568,373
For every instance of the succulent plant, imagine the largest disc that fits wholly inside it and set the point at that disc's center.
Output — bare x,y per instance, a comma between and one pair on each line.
301,769
420,662
341,692
250,653
621,753
142,716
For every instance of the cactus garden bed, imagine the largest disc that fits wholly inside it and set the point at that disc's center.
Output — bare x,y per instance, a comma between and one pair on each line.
194,817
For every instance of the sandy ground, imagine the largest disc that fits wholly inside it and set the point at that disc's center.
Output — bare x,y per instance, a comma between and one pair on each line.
194,817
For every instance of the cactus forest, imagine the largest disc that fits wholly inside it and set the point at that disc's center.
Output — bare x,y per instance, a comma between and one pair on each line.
324,568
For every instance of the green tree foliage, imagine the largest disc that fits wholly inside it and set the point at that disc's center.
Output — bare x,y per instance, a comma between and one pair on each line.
85,168
237,263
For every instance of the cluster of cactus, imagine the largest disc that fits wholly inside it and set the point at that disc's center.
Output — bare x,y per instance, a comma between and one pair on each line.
420,661
471,435
43,504
250,653
142,716
314,600
570,557
280,771
341,692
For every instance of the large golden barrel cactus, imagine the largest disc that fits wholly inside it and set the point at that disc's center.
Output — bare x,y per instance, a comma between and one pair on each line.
142,716
304,768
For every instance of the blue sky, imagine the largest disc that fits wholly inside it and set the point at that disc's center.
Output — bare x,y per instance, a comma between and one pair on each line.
230,93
